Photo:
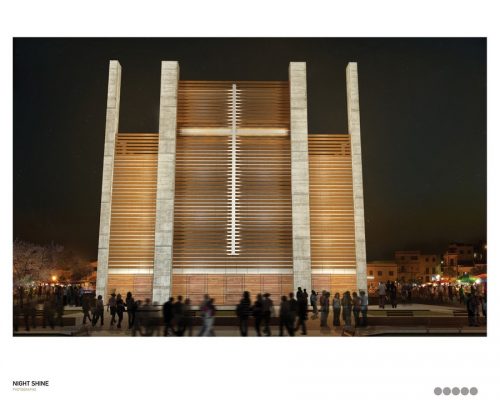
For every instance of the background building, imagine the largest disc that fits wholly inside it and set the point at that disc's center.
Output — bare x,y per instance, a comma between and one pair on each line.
231,194
458,259
380,271
415,267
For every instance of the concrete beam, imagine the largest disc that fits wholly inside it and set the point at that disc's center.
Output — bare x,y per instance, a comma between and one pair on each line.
300,176
112,119
165,192
353,116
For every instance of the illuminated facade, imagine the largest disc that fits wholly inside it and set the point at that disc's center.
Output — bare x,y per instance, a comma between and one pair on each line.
231,194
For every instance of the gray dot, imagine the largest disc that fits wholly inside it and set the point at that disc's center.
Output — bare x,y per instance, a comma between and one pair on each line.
465,391
446,391
473,391
438,391
455,391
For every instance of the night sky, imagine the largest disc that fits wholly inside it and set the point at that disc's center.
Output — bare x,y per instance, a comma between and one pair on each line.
423,126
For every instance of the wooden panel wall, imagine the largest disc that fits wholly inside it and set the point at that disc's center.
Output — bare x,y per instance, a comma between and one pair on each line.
139,285
334,283
228,289
202,203
133,209
331,202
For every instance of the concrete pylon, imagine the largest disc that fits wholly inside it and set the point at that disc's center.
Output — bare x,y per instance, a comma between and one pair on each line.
112,119
301,234
165,192
353,116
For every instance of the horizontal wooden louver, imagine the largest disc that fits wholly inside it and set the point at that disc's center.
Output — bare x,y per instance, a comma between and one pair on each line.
133,202
202,203
262,107
331,202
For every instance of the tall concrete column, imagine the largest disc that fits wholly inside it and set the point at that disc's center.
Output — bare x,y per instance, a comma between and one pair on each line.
112,118
357,173
164,231
300,176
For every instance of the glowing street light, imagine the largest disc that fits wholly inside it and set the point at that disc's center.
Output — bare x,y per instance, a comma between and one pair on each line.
54,278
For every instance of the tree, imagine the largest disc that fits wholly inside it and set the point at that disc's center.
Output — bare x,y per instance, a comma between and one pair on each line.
29,263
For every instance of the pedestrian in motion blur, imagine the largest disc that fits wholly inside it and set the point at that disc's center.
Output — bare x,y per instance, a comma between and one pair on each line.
243,312
267,313
314,304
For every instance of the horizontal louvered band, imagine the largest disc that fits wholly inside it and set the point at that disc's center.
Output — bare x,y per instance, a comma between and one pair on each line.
133,203
333,249
202,203
204,107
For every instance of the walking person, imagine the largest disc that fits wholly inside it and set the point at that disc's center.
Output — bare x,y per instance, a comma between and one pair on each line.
337,305
257,310
243,312
314,304
364,308
393,295
267,313
208,315
120,309
325,309
86,306
294,309
285,316
178,311
168,315
99,311
131,309
356,309
347,308
381,294
112,308
187,324
302,314
48,312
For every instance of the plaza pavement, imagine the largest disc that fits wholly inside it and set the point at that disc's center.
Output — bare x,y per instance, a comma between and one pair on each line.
431,312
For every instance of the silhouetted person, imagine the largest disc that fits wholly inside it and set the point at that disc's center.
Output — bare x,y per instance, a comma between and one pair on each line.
187,324
99,311
178,310
306,295
294,310
208,315
381,294
299,293
356,309
112,308
168,316
120,309
86,306
325,308
59,303
243,312
393,295
337,306
48,312
131,309
267,313
302,313
285,317
257,313
16,313
314,304
29,312
347,308
136,328
364,308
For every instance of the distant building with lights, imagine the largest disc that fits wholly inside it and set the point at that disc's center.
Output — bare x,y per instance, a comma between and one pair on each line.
231,194
416,267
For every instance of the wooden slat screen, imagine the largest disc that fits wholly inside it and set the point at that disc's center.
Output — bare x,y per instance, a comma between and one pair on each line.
206,104
331,202
133,203
202,203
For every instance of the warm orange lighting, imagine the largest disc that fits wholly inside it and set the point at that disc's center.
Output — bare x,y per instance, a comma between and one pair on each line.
54,278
